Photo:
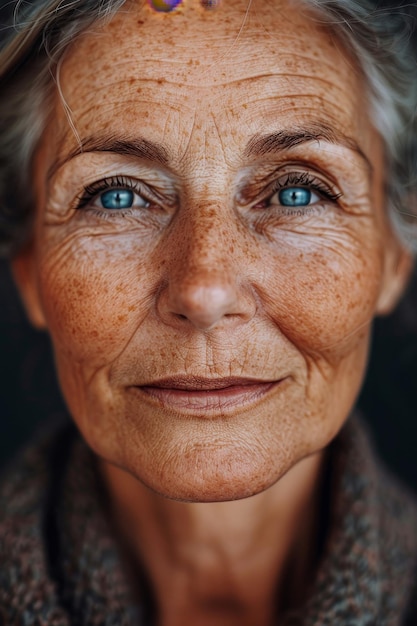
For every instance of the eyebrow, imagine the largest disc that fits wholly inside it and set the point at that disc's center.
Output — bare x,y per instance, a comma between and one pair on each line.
138,147
261,145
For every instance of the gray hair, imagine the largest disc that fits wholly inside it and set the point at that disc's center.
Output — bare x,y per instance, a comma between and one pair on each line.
34,35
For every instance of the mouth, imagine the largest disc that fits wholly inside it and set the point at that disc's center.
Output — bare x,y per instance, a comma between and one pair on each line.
207,395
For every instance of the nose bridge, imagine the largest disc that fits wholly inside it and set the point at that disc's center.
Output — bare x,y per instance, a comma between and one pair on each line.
204,285
205,275
205,236
204,250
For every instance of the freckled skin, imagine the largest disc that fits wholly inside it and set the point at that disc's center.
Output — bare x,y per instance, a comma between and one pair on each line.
297,308
201,283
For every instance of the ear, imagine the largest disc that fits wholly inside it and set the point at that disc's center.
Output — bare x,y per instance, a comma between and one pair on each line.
398,266
24,274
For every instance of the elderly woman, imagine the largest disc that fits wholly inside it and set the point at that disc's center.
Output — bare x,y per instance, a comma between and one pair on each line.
205,208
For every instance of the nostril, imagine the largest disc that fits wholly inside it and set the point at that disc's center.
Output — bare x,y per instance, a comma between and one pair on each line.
205,298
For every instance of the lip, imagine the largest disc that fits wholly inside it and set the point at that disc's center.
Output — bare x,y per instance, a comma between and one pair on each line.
207,396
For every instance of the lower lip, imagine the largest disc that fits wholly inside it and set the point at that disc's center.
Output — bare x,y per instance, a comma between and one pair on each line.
211,400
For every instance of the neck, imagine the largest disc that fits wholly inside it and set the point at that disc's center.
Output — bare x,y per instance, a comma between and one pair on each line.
213,563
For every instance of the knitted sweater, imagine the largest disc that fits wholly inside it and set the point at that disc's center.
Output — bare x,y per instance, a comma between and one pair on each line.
60,563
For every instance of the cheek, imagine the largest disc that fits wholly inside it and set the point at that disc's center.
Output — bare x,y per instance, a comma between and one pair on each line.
94,295
322,298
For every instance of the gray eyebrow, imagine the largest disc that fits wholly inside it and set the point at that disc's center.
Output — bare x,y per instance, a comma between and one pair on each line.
261,145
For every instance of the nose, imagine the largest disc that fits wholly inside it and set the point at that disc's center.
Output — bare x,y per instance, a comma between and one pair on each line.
205,298
205,283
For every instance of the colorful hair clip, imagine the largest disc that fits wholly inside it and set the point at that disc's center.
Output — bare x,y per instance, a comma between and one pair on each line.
164,5
169,5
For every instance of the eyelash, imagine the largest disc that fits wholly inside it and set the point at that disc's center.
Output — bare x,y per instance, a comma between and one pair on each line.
114,182
304,179
301,179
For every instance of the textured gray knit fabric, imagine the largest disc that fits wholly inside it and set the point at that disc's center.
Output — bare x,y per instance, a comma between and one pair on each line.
59,563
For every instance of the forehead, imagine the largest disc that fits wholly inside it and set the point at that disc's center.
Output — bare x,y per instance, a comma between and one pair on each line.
240,69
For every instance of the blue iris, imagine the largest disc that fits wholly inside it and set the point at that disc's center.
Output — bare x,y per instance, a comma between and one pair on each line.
117,199
294,196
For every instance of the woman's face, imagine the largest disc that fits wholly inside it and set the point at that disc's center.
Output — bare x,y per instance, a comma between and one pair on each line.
210,213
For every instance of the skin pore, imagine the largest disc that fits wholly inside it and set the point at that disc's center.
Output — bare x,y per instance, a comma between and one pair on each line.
202,119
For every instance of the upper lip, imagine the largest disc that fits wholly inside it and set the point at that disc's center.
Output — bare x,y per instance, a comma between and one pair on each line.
196,383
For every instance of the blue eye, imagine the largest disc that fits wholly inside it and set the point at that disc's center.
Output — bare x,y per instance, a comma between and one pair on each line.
117,199
295,196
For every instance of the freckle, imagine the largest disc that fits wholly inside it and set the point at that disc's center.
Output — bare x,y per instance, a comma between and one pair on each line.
121,318
140,22
130,308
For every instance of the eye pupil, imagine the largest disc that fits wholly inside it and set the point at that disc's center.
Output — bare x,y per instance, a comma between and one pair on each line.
294,196
117,199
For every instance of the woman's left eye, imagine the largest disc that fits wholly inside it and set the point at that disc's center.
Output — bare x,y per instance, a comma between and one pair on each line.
294,197
120,199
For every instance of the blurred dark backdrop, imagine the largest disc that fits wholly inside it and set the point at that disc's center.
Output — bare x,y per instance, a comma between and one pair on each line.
29,394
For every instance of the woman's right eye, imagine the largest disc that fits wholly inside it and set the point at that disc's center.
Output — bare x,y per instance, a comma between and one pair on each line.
117,193
120,199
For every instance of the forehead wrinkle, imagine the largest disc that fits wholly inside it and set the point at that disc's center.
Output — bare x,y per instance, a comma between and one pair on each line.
271,82
172,100
152,59
220,136
206,143
219,80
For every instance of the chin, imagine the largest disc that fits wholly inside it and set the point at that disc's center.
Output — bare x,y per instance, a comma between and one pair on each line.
222,491
210,477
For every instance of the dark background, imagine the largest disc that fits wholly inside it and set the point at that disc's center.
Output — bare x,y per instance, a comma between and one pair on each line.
29,394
